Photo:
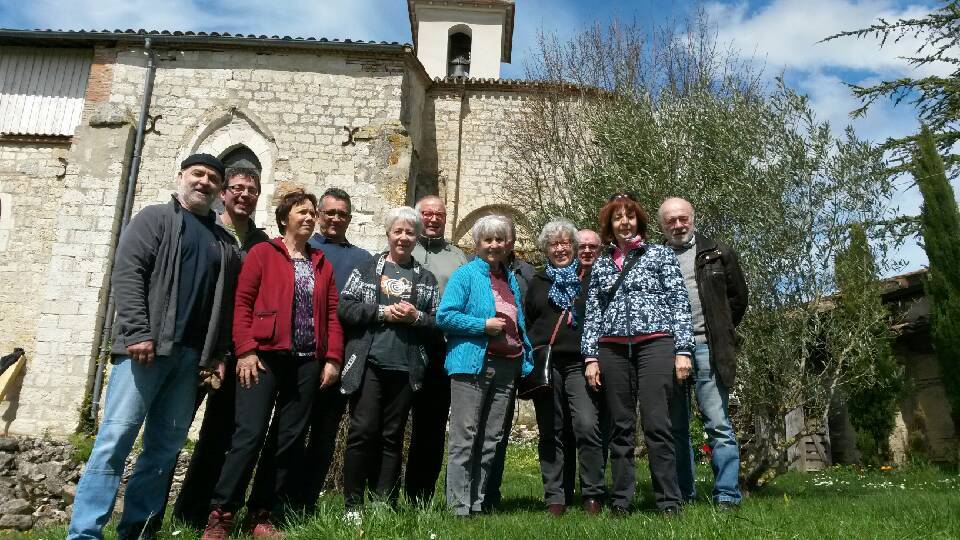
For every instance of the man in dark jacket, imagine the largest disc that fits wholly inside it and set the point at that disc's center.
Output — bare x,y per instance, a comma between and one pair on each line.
240,195
333,219
718,300
174,276
431,405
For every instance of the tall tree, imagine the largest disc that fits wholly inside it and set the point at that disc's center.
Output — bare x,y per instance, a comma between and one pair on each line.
940,225
937,97
873,396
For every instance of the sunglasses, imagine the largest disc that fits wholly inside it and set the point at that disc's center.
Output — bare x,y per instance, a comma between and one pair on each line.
622,195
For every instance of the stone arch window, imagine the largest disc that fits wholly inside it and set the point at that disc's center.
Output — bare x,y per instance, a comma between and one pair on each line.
235,133
239,155
459,47
461,233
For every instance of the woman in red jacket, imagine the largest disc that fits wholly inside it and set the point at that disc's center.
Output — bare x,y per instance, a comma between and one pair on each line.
288,341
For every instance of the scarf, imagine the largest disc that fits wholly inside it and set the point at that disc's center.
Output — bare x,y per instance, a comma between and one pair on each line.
631,244
565,289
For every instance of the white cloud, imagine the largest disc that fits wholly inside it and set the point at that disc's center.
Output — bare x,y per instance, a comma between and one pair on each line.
344,19
786,33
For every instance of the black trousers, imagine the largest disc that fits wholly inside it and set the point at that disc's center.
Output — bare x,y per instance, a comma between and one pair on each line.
288,383
431,409
378,418
570,421
326,415
213,443
643,371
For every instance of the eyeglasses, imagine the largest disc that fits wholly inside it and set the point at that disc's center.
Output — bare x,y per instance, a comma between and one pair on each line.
560,243
590,247
336,213
429,214
622,195
237,189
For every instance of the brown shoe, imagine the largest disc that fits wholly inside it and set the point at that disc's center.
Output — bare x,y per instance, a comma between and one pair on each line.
262,527
219,525
592,506
556,509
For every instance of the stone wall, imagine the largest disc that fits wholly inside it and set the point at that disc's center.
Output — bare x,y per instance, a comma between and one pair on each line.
29,190
65,209
482,155
297,111
314,120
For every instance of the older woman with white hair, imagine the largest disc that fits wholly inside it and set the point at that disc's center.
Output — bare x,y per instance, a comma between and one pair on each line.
568,417
487,349
387,310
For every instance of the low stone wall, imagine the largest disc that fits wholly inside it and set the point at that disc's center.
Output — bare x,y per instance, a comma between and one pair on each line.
38,480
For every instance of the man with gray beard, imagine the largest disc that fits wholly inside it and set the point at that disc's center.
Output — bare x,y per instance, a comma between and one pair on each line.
174,276
718,301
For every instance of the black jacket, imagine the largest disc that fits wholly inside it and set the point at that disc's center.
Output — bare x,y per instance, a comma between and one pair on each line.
146,275
357,310
723,298
541,316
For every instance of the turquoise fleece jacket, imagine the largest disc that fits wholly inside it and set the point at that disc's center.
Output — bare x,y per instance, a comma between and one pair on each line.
466,305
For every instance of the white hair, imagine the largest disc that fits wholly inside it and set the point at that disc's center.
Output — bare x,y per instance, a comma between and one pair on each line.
403,213
557,229
488,226
426,198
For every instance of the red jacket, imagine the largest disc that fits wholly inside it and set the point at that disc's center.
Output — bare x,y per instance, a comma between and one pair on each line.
263,314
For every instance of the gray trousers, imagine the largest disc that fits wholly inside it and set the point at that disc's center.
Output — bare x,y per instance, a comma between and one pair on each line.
570,420
479,416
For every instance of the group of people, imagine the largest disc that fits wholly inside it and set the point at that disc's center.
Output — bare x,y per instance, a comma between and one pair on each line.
284,336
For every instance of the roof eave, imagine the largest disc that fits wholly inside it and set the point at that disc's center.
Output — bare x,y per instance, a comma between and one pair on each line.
82,38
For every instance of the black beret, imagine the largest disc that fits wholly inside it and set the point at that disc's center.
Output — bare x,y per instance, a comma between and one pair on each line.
204,159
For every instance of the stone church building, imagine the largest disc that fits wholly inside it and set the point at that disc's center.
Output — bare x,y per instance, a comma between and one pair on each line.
388,122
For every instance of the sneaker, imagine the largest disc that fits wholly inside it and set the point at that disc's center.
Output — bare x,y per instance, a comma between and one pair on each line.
262,527
353,517
219,525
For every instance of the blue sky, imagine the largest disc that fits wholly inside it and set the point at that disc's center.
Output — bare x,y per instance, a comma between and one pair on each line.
782,34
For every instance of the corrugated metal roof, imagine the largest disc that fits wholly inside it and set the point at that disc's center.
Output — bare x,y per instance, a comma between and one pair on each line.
42,90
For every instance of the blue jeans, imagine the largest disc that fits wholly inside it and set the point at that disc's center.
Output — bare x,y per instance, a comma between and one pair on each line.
712,398
161,393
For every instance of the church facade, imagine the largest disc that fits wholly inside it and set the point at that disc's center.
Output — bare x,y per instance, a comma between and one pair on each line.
387,122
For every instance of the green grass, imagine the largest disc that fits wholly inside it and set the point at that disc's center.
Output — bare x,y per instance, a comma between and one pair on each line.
842,502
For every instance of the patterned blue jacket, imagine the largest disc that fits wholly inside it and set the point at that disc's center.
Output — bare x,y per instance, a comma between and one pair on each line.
466,305
652,298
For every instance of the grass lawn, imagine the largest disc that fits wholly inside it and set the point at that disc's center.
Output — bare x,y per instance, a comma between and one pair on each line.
842,502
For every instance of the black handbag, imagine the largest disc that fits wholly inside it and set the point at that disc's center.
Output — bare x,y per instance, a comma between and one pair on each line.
540,380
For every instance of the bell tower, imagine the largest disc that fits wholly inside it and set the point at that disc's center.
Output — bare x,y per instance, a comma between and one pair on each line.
467,38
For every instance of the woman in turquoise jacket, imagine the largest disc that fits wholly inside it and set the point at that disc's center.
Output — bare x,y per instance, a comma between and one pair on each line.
487,350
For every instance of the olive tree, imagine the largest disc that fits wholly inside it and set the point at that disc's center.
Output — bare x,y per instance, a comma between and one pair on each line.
670,112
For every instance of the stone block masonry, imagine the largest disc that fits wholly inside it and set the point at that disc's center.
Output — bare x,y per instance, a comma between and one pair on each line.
482,157
294,110
66,219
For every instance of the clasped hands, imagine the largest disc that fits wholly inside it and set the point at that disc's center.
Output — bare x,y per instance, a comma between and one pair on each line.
401,312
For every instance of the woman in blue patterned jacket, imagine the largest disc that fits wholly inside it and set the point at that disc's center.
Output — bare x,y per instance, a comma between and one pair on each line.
638,334
487,349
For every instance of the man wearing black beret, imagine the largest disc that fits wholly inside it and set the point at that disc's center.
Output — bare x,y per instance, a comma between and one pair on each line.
174,275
